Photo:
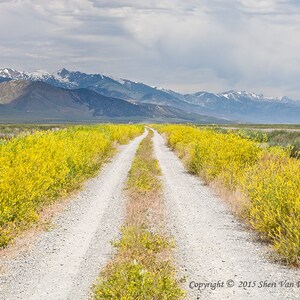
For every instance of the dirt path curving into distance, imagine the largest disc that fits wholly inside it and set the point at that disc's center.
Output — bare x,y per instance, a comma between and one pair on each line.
212,245
64,262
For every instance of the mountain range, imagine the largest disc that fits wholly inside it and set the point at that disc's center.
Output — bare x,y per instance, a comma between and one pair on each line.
72,96
37,101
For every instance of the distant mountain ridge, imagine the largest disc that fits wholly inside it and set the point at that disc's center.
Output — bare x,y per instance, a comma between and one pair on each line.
240,106
31,100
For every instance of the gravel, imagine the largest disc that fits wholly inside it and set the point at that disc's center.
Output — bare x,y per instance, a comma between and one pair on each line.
213,247
64,262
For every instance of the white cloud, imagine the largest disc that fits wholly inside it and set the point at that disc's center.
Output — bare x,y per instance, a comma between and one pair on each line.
189,45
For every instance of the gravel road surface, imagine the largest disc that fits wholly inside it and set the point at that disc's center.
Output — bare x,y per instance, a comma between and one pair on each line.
213,246
65,261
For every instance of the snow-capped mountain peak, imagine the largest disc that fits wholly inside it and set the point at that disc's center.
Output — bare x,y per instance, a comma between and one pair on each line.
39,75
10,73
237,95
159,88
21,75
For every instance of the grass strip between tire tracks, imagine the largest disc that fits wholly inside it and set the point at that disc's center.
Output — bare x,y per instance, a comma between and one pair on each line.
142,267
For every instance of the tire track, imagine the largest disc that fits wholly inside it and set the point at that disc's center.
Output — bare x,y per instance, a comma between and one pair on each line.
64,262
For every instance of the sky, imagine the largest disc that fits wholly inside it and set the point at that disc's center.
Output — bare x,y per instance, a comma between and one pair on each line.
187,46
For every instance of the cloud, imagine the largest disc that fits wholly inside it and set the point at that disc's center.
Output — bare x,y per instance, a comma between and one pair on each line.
186,45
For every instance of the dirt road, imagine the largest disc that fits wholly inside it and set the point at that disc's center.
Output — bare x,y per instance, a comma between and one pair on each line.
214,250
64,262
212,246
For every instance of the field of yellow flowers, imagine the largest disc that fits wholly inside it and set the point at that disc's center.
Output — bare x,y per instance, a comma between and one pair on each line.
38,168
267,177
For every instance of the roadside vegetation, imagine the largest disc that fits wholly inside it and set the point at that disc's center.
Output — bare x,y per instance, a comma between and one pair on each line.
260,126
266,179
142,267
289,139
36,169
8,132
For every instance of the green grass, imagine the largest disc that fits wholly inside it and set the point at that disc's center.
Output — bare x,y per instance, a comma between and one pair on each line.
263,126
9,131
286,138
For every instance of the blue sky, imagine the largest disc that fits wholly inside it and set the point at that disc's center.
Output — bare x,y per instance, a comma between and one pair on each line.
187,45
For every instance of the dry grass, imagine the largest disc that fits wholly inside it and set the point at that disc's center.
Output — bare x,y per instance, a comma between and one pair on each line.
144,193
235,199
